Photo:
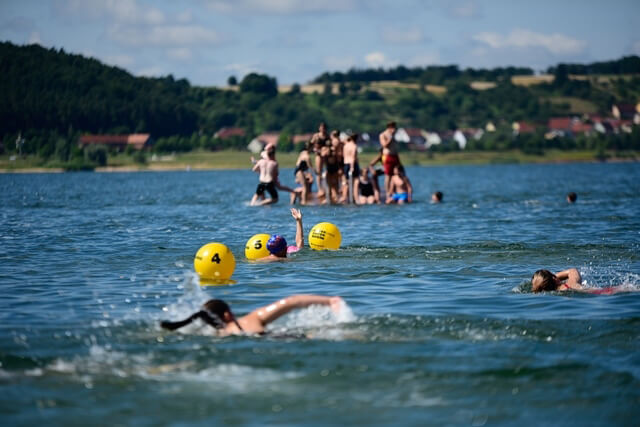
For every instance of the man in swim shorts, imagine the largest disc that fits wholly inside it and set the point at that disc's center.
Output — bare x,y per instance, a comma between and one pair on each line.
267,167
390,157
399,187
277,245
351,167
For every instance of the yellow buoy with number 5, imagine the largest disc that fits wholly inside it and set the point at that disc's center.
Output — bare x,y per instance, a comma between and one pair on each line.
214,261
256,247
325,236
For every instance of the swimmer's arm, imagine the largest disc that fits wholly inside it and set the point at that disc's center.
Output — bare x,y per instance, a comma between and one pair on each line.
572,277
297,215
256,166
271,312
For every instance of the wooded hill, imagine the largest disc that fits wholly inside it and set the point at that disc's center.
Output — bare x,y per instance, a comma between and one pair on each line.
51,97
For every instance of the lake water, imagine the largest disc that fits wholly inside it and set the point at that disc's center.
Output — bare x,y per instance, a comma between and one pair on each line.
440,327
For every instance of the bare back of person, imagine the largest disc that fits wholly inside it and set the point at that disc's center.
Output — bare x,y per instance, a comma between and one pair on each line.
268,170
350,153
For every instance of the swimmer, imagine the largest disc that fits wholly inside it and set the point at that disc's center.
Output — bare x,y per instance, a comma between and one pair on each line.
436,197
399,187
567,280
277,245
218,314
572,197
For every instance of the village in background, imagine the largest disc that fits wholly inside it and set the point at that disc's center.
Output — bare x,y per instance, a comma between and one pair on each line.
83,114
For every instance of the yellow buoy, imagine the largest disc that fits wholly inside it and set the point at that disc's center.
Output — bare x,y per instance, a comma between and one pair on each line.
256,247
325,236
214,261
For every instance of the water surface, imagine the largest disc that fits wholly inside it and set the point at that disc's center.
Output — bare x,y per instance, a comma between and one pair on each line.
441,328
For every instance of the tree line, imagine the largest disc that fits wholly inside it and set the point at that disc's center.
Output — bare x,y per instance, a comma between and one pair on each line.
51,97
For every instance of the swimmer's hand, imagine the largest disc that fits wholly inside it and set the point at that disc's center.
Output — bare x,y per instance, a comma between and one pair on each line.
253,160
336,304
296,214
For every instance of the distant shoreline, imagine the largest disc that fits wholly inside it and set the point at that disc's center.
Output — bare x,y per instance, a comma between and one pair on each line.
238,160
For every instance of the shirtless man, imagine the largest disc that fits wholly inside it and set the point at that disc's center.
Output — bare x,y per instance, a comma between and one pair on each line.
389,153
267,167
318,140
400,189
351,167
218,314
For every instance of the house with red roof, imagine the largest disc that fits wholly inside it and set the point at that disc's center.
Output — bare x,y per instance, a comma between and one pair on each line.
624,111
228,132
138,141
521,128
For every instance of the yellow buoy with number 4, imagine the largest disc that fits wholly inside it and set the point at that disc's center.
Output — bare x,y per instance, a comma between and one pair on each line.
325,236
256,247
214,261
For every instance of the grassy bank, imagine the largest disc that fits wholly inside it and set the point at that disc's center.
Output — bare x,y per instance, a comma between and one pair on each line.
197,160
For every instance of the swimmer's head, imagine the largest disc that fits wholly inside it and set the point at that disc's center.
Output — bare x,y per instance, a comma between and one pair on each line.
436,197
214,312
322,127
277,245
391,125
353,137
544,280
572,197
398,170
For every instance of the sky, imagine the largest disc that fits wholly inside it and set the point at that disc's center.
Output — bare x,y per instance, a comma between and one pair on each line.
206,41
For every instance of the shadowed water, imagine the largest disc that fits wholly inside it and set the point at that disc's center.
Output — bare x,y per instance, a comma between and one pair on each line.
440,326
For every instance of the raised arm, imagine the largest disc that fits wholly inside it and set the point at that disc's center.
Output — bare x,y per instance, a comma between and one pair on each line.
297,215
256,165
271,312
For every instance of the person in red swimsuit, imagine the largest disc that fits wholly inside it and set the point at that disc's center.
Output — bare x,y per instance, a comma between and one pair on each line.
390,157
567,280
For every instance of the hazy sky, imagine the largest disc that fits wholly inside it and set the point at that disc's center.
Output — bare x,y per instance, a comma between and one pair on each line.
206,41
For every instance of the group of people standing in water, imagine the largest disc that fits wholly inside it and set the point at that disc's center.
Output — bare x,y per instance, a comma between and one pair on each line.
337,172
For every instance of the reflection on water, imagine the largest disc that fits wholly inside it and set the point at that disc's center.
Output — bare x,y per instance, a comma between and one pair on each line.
440,325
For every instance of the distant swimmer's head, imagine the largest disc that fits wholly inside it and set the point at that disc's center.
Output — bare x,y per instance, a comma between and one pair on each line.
322,127
544,280
214,312
572,197
277,246
392,125
436,197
